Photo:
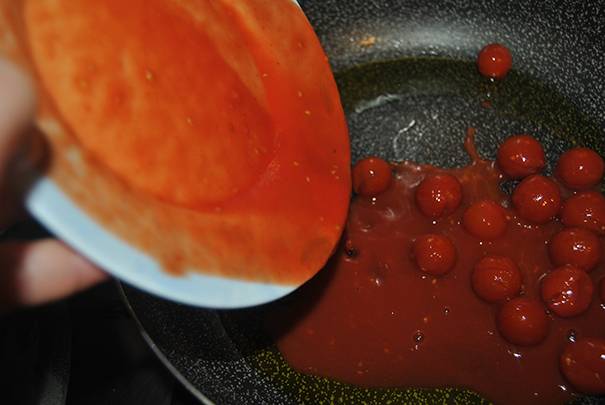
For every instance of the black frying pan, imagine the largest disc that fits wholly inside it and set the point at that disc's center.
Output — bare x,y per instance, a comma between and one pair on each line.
420,54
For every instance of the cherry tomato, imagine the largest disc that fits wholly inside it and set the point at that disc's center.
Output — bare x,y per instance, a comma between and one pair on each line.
523,321
485,220
494,61
583,365
520,155
371,176
576,246
537,199
438,195
580,168
496,278
434,254
567,291
585,210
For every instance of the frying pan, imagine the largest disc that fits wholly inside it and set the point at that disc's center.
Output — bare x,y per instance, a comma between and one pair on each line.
405,69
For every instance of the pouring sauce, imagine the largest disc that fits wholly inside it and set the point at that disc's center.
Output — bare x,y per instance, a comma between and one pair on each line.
199,119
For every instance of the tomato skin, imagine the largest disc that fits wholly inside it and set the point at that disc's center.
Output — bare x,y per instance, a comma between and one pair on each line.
434,254
494,61
567,291
371,176
583,365
537,199
580,168
438,195
523,321
520,156
496,278
585,210
485,219
576,246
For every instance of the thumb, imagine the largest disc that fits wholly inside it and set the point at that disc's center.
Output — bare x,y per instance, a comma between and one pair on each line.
17,109
17,140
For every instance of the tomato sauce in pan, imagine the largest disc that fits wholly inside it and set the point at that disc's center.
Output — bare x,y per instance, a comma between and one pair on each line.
498,314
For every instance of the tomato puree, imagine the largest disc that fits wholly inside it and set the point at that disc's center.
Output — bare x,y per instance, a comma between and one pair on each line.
496,316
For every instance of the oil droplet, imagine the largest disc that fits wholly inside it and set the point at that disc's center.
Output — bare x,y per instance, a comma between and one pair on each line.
418,337
571,335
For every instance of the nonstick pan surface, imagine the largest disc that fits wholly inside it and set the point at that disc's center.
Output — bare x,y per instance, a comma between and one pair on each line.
406,73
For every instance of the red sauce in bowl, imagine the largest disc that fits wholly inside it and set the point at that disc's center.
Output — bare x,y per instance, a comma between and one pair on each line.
373,319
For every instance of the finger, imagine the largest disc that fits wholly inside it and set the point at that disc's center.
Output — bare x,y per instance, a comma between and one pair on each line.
20,144
39,272
17,108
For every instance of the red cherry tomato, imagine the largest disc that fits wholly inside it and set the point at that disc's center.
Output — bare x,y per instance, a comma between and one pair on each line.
438,195
496,278
519,156
583,365
567,291
537,199
494,61
580,168
523,321
585,210
371,176
485,220
434,254
576,246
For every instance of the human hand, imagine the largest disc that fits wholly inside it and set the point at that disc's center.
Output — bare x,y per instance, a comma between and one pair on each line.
31,273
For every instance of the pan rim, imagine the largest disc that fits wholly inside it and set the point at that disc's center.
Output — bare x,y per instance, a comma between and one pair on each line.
158,352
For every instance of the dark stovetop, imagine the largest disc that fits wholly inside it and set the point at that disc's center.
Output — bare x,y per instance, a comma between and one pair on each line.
83,350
